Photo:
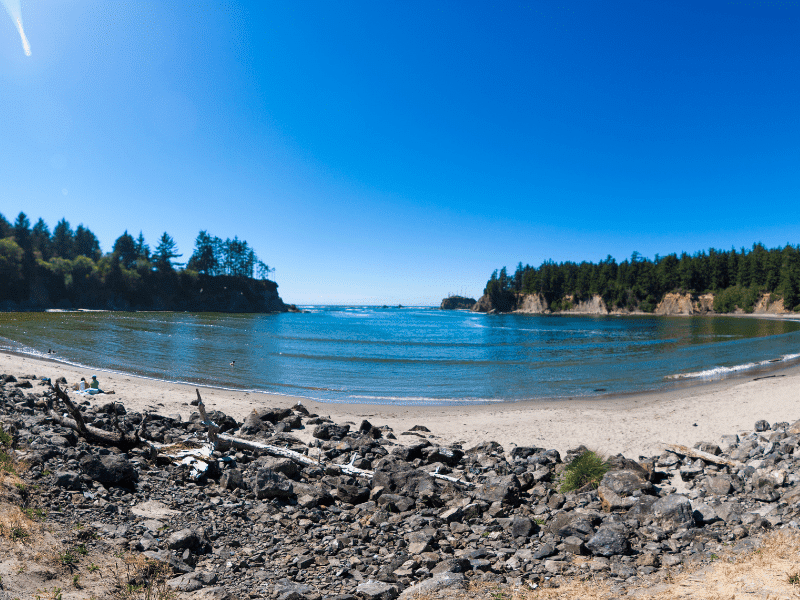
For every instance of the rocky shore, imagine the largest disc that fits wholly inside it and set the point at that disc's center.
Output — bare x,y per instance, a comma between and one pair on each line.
374,514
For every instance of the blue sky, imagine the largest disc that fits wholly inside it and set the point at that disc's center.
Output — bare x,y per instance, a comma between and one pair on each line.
395,152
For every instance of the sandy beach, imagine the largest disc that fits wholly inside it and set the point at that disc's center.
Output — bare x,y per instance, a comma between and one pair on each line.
633,425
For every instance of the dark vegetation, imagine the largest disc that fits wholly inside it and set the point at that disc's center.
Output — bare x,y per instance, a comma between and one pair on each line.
737,278
67,269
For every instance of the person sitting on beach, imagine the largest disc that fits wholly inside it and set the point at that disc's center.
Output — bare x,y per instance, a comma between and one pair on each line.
82,385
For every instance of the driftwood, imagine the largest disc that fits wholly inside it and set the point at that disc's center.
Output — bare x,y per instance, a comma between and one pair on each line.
121,438
705,456
223,441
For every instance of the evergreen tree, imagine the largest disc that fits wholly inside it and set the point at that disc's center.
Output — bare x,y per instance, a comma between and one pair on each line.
205,258
63,240
142,249
86,243
164,254
125,251
5,228
42,242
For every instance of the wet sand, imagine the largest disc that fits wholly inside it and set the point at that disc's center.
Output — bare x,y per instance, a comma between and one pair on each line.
634,425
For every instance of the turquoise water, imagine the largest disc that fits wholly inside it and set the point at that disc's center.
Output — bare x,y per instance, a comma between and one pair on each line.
409,355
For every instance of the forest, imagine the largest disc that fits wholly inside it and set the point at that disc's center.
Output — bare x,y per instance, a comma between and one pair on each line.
736,278
66,268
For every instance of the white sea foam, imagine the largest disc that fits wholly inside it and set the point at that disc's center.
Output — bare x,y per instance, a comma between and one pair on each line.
720,372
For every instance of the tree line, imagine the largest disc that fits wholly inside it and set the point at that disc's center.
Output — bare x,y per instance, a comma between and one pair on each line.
67,267
737,279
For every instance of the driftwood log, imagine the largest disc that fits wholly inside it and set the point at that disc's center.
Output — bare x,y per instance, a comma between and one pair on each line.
705,456
122,439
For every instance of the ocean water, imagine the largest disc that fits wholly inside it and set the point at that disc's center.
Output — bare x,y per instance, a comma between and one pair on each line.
411,356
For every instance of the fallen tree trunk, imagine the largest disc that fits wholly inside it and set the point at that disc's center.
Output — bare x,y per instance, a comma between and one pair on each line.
705,456
121,439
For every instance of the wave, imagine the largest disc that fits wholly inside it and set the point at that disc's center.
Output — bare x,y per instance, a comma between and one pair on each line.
721,372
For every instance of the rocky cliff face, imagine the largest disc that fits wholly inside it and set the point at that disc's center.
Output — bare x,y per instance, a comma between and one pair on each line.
592,306
765,306
457,302
532,304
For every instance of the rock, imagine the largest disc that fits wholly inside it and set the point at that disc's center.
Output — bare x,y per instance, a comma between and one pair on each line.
185,538
761,425
719,485
625,482
411,483
434,584
457,303
68,480
452,565
192,581
521,526
269,484
609,540
231,479
329,431
612,501
673,511
703,513
377,590
110,469
503,489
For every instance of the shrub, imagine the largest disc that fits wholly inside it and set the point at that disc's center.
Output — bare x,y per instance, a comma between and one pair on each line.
588,467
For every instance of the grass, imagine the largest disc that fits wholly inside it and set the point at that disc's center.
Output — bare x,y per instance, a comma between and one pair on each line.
141,579
587,468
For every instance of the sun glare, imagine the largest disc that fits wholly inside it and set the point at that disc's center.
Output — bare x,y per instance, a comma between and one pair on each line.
14,9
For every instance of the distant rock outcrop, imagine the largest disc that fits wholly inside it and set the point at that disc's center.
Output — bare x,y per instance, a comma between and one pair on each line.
685,304
593,306
457,303
532,304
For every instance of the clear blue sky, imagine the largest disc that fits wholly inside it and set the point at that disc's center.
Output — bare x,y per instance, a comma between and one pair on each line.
395,152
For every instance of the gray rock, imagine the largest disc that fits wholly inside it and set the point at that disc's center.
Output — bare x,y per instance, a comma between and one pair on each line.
625,482
434,584
719,485
192,581
377,590
185,538
269,484
330,431
673,511
110,469
521,526
610,539
761,425
68,480
499,489
452,565
703,513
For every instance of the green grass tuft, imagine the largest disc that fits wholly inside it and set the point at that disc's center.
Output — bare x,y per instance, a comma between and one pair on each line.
588,467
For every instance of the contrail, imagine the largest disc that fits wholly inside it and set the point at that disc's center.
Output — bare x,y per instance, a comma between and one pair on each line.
14,9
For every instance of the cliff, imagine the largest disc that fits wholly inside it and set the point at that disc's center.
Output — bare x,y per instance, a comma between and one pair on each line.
457,303
673,303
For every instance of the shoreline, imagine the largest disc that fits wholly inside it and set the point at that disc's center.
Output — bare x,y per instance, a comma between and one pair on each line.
636,424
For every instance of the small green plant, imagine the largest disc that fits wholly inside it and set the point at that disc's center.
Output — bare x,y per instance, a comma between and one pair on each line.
539,521
5,438
794,579
67,558
587,468
81,550
35,514
7,463
17,533
93,567
76,581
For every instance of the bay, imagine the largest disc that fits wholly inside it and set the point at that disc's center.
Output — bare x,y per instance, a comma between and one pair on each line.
415,355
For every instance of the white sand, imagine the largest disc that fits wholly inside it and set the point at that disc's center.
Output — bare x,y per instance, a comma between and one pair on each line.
634,425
